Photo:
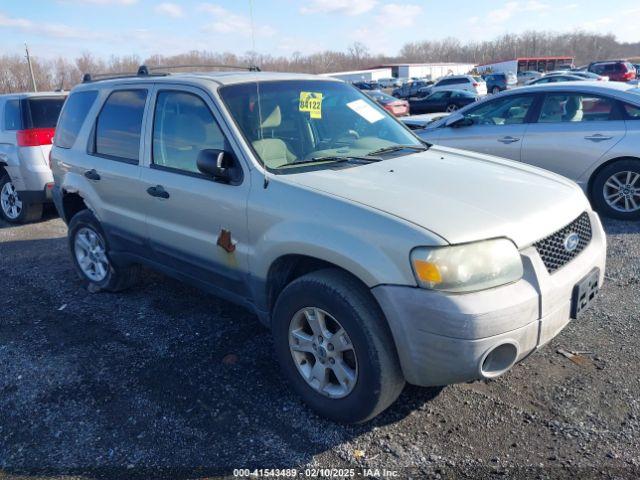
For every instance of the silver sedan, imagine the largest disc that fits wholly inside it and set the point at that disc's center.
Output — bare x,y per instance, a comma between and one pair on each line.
586,131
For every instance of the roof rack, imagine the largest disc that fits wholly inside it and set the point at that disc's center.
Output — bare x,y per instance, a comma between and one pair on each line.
250,68
144,71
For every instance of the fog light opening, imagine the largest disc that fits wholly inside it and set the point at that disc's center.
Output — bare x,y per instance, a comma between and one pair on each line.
499,360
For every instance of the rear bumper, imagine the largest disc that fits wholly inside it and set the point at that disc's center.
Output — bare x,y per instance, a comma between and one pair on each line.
30,173
445,338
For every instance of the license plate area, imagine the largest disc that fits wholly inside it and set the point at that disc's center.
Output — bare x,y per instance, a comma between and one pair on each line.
584,292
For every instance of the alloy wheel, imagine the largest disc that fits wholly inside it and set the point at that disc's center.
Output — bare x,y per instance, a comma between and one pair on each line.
451,108
10,201
622,191
323,353
91,254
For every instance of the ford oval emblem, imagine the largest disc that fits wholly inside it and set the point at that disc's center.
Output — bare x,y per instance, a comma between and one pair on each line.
571,242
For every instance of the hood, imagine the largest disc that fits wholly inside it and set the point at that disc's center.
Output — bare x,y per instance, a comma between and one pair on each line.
458,195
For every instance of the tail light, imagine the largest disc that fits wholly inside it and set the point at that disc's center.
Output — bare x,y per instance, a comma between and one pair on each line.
475,84
35,137
629,75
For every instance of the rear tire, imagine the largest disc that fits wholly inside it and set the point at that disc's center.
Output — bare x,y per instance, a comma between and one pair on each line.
451,107
12,208
376,379
90,255
616,189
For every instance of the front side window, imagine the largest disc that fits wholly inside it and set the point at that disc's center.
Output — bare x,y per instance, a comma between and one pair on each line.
119,125
183,126
12,116
306,120
73,116
575,107
502,111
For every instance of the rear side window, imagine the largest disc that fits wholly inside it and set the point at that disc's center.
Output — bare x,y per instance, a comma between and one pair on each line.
42,112
119,125
73,116
12,115
575,108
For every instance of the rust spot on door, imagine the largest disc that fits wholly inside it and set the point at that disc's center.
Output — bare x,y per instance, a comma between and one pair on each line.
225,241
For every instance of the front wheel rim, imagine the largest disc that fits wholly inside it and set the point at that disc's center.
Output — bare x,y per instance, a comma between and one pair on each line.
621,191
451,108
323,352
91,254
10,201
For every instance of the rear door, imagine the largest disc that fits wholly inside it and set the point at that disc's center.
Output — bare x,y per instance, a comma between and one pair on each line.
112,168
497,127
186,223
572,131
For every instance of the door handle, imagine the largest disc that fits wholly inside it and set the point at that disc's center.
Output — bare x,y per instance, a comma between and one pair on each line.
508,139
598,137
92,174
158,191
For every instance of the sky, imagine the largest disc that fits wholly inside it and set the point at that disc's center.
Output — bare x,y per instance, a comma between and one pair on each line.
68,28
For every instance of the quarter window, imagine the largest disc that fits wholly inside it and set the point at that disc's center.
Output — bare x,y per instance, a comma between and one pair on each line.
119,125
73,115
575,108
631,111
12,118
503,111
183,126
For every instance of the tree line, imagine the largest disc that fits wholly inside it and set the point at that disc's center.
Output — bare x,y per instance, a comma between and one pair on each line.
64,73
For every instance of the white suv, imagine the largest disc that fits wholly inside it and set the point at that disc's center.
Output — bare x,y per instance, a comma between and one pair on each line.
375,258
27,127
461,82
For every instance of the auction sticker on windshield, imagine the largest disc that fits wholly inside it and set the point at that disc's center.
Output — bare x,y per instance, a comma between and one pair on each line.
365,110
311,102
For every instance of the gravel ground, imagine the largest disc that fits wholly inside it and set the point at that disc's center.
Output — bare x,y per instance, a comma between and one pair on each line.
164,381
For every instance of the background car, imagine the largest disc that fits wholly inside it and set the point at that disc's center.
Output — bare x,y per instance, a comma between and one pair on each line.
410,89
27,127
497,82
442,101
461,82
556,79
393,105
366,85
528,76
586,131
590,76
423,120
388,82
616,70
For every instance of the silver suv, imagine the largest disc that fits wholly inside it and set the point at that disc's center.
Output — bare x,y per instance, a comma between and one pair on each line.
27,126
374,258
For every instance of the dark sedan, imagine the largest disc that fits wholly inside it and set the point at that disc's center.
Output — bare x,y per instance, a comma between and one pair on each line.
442,101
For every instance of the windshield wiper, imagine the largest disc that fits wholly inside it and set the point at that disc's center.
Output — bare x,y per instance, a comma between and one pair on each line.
395,148
331,158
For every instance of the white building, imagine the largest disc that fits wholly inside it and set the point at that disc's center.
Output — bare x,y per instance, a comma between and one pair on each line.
427,70
361,75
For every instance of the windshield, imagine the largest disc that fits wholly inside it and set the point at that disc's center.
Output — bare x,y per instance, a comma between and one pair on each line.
293,121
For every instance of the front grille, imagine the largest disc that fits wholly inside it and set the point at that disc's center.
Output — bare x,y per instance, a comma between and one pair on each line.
552,248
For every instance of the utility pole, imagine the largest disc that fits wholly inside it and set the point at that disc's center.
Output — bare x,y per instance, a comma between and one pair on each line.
33,77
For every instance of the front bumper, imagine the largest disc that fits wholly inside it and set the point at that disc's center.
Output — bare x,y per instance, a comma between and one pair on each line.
445,338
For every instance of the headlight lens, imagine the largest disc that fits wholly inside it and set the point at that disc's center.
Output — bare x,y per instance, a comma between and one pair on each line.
468,267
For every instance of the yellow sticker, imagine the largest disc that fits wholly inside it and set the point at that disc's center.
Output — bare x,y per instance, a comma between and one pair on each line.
311,102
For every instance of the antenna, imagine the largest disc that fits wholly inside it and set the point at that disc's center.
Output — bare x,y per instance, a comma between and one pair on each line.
253,35
33,77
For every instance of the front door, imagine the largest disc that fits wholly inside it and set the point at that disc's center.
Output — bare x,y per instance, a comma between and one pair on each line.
196,225
497,127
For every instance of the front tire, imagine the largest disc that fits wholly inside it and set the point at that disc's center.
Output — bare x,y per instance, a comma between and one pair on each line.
12,208
615,191
335,348
89,252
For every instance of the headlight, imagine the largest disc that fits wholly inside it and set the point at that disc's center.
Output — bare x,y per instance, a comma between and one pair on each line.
468,267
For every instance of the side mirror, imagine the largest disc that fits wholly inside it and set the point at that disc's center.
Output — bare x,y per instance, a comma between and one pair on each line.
457,120
219,164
